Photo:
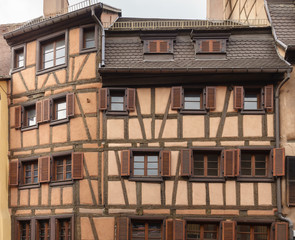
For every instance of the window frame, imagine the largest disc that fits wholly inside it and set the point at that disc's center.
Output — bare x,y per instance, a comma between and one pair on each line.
64,181
49,39
202,109
24,111
15,67
146,221
64,217
114,112
53,100
17,232
260,102
252,225
81,43
42,218
202,223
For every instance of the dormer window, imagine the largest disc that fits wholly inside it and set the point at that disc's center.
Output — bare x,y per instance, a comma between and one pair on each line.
211,46
158,46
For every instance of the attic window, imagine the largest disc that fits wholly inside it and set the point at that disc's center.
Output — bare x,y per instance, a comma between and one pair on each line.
211,46
158,46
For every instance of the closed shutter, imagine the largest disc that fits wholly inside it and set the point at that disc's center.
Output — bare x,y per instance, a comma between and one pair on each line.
229,163
169,229
44,169
291,181
57,228
13,173
130,99
279,162
176,98
39,112
281,231
70,104
77,165
237,154
103,99
166,163
46,110
228,230
186,162
153,46
205,46
210,97
238,97
268,97
164,46
18,116
125,163
122,228
216,46
179,229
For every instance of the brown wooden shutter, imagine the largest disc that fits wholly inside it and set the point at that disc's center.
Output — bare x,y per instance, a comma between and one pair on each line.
205,46
125,163
77,165
279,161
229,163
57,228
164,46
70,104
44,169
176,98
153,46
210,97
122,228
268,97
130,99
216,46
39,112
103,99
228,230
169,229
179,229
46,110
237,154
290,180
13,173
238,97
18,116
166,163
186,162
281,231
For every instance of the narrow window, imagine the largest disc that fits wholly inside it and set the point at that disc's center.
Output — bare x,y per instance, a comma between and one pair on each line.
254,164
63,229
60,109
146,164
117,100
259,232
88,38
146,230
252,99
63,168
43,230
192,99
19,59
206,164
30,172
29,116
25,230
201,231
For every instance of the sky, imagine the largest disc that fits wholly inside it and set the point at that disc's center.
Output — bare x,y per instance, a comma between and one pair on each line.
14,11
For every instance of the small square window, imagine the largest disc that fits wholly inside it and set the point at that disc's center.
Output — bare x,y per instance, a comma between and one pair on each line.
145,164
252,99
117,100
206,164
30,170
193,99
29,116
62,168
201,231
254,164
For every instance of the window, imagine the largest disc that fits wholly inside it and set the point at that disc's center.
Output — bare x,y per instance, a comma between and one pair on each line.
290,168
145,230
62,168
254,164
146,164
59,109
192,99
201,231
30,170
252,99
158,46
29,116
43,229
211,46
253,232
64,229
117,100
206,164
24,230
18,58
88,38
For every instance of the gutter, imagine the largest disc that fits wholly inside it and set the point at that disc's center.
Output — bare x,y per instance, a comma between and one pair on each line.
277,136
95,18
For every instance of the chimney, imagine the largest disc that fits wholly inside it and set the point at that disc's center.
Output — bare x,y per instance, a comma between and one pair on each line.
54,7
215,9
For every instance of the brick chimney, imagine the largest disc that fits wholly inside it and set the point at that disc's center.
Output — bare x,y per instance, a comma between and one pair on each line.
54,7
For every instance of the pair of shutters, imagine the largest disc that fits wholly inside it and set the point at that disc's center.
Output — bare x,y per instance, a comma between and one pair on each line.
210,46
267,97
44,169
43,111
165,163
232,162
158,46
177,98
104,98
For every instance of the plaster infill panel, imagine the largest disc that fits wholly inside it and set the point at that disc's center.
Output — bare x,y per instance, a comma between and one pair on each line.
85,193
216,193
86,230
144,97
115,193
44,134
34,199
230,193
230,127
78,61
44,194
134,129
131,191
91,161
193,126
88,102
74,36
112,164
88,70
181,195
174,160
147,122
169,191
247,194
67,195
252,126
55,196
105,228
115,129
270,125
15,138
151,193
31,53
59,133
17,84
77,129
214,123
170,129
29,77
220,98
199,193
264,194
92,127
161,99
30,138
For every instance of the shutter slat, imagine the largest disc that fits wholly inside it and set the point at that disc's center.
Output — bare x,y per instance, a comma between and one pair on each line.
166,163
238,97
186,160
130,99
122,228
228,230
268,97
210,97
70,104
103,99
13,173
44,169
39,118
179,229
77,165
279,162
281,231
176,98
229,163
169,229
125,163
17,117
46,110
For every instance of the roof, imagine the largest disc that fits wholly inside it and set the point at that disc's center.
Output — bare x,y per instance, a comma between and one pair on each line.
283,21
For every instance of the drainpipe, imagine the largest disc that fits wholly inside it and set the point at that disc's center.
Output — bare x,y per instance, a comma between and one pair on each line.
102,64
279,199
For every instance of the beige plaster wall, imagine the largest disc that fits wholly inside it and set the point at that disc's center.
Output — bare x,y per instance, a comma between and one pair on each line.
264,194
151,193
247,194
252,126
230,193
216,193
161,99
193,126
230,127
181,195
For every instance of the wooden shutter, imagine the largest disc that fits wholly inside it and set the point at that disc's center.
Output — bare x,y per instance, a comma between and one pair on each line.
169,229
205,46
39,112
176,98
130,99
228,230
281,231
103,99
125,163
279,162
229,163
186,162
46,110
210,97
238,97
178,229
122,228
216,46
166,163
291,181
268,97
70,104
18,116
163,46
77,165
57,228
153,46
44,169
13,173
237,154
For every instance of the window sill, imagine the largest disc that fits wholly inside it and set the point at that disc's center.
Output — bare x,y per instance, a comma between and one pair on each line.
61,183
15,70
193,112
29,186
253,112
42,71
119,113
29,128
88,50
255,179
59,121
146,179
206,179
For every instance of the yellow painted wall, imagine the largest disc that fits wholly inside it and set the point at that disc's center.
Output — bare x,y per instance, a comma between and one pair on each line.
4,213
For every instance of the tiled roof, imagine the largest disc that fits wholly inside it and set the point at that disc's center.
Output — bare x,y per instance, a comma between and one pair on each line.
283,19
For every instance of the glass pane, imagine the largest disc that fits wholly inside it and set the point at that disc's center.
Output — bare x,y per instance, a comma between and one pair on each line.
90,44
60,44
139,172
244,228
260,157
138,165
210,236
48,48
60,60
246,156
260,172
115,99
117,107
154,230
61,114
260,229
246,164
260,237
192,105
48,64
210,227
60,53
69,175
212,172
152,172
138,158
69,168
152,158
250,105
61,106
152,165
246,172
31,117
259,164
243,236
48,56
199,172
35,179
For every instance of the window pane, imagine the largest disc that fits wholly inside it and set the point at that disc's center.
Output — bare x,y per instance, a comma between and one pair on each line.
48,64
139,158
60,61
90,44
192,105
61,114
60,53
117,107
152,158
210,236
244,228
245,236
199,164
260,229
152,165
139,172
152,172
60,44
138,165
48,48
154,230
